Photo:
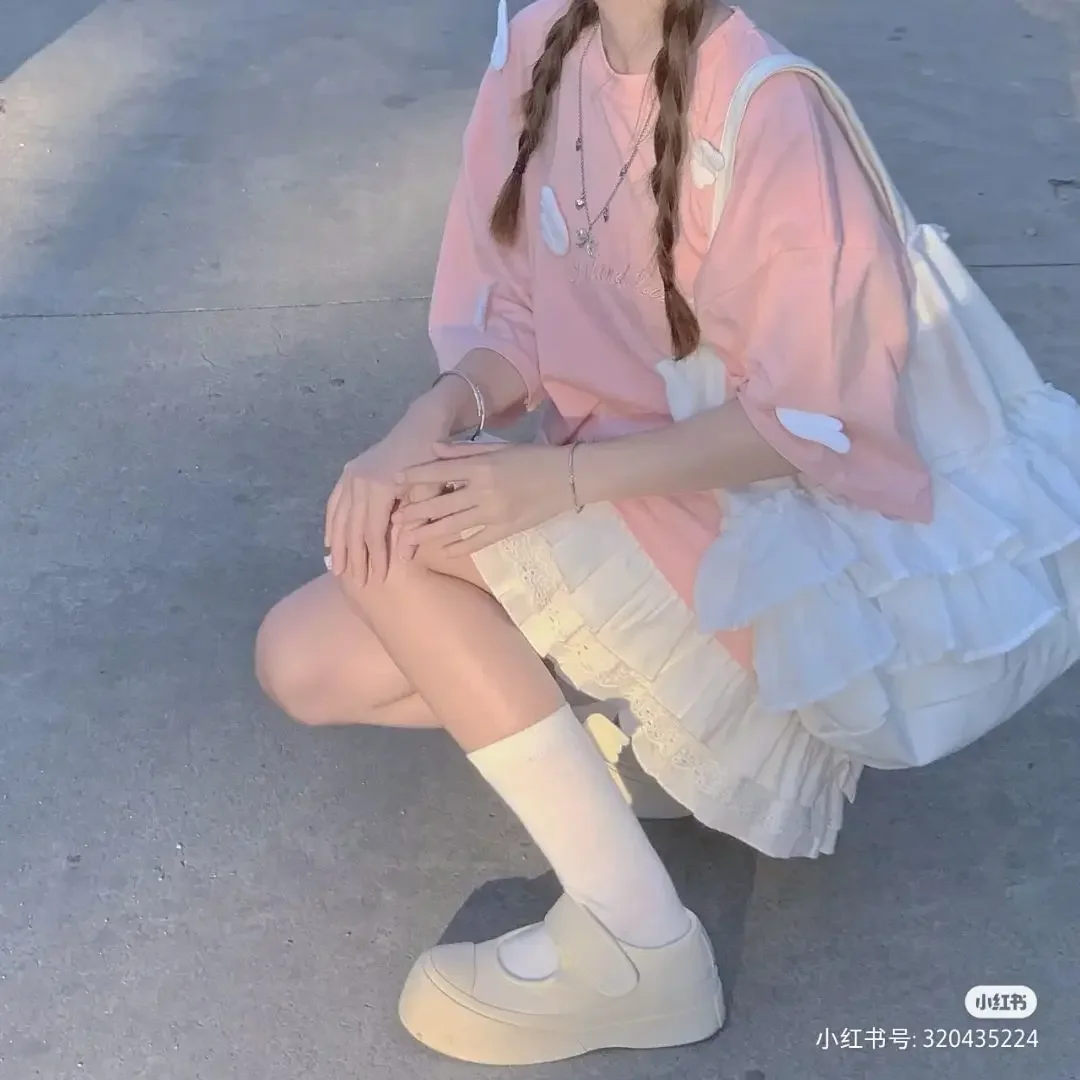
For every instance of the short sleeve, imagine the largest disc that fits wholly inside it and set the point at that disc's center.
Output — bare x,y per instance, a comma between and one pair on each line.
806,294
482,294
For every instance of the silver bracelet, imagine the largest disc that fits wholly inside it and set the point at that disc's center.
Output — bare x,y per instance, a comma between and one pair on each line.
573,478
481,408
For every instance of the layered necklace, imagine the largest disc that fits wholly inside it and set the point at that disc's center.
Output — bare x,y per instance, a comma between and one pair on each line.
586,236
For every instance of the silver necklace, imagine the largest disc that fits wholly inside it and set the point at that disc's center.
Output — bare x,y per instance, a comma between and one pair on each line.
586,236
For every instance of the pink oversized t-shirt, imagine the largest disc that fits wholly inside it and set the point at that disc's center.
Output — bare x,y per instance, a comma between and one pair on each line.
803,292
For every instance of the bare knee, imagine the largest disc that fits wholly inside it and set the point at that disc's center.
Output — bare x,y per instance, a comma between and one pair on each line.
287,669
317,659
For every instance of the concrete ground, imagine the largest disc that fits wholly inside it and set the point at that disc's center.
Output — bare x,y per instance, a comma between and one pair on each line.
217,226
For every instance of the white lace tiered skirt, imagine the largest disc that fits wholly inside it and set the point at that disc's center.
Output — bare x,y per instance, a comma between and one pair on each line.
588,598
876,643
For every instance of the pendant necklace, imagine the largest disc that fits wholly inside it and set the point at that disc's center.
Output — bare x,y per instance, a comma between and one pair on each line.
586,236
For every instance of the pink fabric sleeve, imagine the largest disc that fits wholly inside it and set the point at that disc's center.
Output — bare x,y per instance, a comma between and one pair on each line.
482,294
806,296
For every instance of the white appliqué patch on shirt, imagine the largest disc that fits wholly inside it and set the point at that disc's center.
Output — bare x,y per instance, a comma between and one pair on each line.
553,226
697,382
480,314
816,428
500,51
706,163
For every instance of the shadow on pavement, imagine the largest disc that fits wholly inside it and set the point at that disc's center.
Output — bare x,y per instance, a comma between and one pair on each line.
30,27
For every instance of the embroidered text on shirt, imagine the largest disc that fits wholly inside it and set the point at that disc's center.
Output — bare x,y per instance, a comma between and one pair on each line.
594,272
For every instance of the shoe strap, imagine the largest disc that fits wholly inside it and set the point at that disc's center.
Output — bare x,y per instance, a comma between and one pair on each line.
588,950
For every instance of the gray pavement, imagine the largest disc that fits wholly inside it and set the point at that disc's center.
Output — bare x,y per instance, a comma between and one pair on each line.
217,226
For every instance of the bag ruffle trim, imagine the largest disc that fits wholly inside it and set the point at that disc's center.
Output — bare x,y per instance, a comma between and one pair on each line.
834,594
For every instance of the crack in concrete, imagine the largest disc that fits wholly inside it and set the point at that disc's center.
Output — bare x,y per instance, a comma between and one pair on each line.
314,305
12,316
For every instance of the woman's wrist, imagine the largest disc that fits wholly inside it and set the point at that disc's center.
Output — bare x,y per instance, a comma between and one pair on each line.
588,474
446,409
571,477
626,467
718,448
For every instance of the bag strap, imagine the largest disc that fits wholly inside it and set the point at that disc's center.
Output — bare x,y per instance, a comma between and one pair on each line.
840,105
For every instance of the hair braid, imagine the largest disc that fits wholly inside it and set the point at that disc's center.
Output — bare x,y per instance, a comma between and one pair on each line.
674,74
536,105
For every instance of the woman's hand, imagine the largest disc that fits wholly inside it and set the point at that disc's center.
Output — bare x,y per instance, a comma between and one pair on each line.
358,530
486,493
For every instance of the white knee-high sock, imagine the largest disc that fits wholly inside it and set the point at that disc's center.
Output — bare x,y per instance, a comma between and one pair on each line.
553,778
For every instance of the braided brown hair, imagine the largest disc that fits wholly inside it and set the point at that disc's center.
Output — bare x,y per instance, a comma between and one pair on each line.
674,82
673,76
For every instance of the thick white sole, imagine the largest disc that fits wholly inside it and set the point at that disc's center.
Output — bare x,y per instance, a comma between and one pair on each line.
448,1022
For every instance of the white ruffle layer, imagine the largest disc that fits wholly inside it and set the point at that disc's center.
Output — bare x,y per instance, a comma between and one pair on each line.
877,642
587,597
884,634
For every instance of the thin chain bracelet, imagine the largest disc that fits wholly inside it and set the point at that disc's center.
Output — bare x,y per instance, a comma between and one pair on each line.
573,478
481,408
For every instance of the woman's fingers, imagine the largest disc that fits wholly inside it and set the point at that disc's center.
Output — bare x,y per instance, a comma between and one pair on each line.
355,533
439,473
473,541
338,534
431,509
377,534
452,527
331,507
397,548
401,547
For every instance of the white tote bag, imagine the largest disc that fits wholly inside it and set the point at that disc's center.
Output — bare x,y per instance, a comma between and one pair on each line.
900,643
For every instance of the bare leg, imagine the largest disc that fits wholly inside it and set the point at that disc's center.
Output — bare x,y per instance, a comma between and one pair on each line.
321,663
431,635
495,696
455,646
317,659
